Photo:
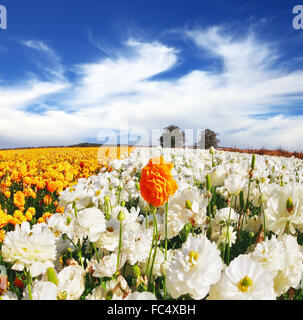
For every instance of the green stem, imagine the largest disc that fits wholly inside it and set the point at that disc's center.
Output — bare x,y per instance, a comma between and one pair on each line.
78,249
263,211
29,281
150,251
155,248
120,246
227,233
246,204
96,252
228,249
166,214
75,209
165,254
247,199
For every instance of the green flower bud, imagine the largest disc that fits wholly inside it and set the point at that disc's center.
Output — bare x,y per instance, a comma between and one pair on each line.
136,270
121,216
188,204
261,198
106,198
138,186
253,162
52,276
64,236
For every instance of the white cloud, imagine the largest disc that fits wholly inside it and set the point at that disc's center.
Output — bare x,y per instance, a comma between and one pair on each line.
235,101
54,66
127,75
18,97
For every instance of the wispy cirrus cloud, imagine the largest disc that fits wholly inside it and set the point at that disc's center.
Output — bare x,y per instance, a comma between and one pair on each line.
247,100
53,65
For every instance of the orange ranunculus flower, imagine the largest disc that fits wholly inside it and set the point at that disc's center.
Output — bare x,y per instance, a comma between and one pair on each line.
29,192
3,219
32,210
52,186
47,199
44,217
19,199
60,209
2,235
156,182
40,184
7,194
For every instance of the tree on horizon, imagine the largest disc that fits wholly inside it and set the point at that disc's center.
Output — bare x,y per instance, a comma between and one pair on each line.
207,139
172,137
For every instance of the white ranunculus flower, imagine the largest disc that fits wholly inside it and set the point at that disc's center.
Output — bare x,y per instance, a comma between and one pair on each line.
291,274
42,290
109,240
31,249
115,289
227,235
217,175
149,221
222,215
175,223
234,183
116,164
188,205
107,265
271,255
77,194
194,268
91,223
131,216
136,243
252,224
8,295
244,279
141,296
71,282
285,209
160,264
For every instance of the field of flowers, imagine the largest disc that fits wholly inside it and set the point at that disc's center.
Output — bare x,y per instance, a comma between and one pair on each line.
156,224
31,180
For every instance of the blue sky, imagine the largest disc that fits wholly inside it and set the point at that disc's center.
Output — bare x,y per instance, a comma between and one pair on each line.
74,71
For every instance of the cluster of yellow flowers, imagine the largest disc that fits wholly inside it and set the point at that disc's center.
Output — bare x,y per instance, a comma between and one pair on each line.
32,179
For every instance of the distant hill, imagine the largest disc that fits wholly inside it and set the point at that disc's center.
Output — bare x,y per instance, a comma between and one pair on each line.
85,145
